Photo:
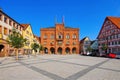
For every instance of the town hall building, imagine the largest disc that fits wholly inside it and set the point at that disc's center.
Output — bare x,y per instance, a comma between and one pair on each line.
60,39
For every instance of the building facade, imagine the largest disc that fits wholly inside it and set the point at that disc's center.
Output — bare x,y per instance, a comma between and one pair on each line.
28,34
60,39
84,44
109,35
6,26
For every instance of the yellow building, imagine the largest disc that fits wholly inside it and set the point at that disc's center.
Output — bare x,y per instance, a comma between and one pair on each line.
36,39
28,34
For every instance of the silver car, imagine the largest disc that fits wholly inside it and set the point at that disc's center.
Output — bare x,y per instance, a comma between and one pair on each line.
118,55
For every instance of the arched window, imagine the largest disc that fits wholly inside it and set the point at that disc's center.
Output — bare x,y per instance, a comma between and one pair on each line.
74,36
52,36
60,36
67,36
45,36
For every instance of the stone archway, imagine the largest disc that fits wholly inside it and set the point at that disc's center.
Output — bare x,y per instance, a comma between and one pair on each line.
1,47
74,50
46,50
52,50
67,50
59,50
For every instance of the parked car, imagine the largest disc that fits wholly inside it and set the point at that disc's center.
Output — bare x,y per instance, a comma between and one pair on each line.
114,55
104,55
118,55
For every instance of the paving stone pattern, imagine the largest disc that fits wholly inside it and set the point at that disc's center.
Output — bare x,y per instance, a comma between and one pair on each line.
59,67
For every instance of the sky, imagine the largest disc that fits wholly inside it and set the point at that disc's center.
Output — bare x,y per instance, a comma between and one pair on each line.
87,15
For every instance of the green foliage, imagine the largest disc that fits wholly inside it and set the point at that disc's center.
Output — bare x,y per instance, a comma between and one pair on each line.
104,47
35,46
41,48
89,49
15,39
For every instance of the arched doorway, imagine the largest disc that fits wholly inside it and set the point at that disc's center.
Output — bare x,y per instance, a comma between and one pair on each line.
74,50
1,47
46,50
67,50
52,50
59,50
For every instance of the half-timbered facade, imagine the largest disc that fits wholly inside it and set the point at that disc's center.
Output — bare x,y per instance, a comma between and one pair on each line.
109,35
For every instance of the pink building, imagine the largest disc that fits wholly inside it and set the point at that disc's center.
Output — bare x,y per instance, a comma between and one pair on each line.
109,35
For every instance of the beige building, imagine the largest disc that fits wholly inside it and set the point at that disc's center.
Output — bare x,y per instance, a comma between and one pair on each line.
6,25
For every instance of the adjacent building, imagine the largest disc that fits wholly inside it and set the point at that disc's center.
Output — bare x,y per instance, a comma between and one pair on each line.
60,39
84,44
6,25
94,47
109,35
28,34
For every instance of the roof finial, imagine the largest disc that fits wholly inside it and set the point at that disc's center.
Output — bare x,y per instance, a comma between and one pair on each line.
63,19
55,19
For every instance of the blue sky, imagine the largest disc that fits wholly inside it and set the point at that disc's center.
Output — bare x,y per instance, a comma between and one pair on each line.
87,15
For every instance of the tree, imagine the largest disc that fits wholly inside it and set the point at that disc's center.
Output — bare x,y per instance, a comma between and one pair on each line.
16,40
89,49
104,48
34,47
41,48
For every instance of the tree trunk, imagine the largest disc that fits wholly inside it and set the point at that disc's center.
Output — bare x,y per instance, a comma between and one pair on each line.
16,54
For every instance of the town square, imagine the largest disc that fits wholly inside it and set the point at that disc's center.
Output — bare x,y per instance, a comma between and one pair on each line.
59,40
59,67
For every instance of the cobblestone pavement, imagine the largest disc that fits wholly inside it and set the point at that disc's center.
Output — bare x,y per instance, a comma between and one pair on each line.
59,67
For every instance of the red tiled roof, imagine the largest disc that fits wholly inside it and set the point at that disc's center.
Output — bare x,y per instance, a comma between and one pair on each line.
25,26
115,20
